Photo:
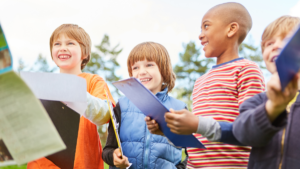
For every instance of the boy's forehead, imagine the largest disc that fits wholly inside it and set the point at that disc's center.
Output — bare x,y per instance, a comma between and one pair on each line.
62,36
211,15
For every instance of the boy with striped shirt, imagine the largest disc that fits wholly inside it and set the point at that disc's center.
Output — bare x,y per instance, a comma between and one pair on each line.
218,94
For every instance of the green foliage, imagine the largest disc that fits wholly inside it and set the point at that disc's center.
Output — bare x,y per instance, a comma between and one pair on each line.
40,65
253,53
14,167
104,61
188,70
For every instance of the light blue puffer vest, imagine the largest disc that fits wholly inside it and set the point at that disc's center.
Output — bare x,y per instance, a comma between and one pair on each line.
143,149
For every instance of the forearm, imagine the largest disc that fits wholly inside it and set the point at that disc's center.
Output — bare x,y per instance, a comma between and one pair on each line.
111,145
209,128
97,110
253,127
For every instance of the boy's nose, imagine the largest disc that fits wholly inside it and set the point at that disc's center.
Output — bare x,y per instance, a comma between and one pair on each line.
142,71
201,36
63,48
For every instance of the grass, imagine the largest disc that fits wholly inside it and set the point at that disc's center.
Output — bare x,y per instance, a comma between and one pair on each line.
14,167
105,165
24,167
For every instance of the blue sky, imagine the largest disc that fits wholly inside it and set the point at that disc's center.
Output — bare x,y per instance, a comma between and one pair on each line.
28,24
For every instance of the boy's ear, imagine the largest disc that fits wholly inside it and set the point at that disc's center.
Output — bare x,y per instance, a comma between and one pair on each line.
233,28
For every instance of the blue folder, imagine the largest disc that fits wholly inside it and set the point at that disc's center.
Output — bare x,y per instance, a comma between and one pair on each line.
149,104
288,62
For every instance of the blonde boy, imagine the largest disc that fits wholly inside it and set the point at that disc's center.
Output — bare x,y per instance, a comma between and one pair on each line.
70,48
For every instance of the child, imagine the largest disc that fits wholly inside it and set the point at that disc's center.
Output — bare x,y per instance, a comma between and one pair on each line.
150,63
219,92
269,121
70,48
259,125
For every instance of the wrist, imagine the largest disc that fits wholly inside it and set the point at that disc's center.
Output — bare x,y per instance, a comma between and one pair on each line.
273,110
195,124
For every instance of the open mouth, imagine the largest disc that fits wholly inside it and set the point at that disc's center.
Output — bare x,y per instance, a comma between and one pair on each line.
274,58
64,56
145,80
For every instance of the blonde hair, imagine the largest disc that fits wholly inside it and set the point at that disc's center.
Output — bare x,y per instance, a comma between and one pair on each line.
154,52
281,26
77,33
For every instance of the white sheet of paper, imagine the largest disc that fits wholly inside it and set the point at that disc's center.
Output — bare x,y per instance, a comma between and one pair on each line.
67,88
25,126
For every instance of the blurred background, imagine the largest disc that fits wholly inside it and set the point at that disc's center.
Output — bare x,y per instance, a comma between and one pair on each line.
116,26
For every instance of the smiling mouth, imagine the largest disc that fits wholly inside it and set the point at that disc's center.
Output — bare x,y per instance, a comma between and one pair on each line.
274,58
204,43
145,80
64,56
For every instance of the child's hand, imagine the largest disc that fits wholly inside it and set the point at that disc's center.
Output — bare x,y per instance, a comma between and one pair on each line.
153,126
182,121
278,100
118,161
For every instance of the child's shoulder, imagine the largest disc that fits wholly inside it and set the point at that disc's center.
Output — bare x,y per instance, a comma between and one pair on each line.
92,77
179,103
245,63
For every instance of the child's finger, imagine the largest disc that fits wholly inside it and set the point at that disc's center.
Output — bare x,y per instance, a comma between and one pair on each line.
147,118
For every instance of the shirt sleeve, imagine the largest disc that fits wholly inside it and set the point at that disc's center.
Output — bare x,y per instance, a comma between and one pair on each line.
209,128
250,82
253,127
111,142
97,110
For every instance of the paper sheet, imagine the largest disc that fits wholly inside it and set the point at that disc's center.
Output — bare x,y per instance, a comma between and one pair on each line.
67,88
25,126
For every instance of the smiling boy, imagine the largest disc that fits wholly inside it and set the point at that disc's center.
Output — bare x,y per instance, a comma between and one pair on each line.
70,48
219,92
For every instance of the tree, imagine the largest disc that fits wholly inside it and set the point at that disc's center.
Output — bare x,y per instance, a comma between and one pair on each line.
251,52
40,65
188,70
104,63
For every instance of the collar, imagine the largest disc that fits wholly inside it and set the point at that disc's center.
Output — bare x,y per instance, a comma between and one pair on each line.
215,66
162,95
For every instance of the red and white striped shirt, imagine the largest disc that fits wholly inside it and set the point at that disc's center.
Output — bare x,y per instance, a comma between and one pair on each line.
218,94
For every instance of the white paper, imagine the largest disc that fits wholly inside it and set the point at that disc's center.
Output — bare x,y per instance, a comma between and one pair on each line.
25,126
67,88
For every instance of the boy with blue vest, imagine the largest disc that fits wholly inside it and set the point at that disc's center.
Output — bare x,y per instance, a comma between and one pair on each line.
150,63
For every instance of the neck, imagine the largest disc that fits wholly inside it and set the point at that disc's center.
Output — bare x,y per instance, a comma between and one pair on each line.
70,71
229,54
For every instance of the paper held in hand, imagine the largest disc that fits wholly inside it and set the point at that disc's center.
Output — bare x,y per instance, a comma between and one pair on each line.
26,131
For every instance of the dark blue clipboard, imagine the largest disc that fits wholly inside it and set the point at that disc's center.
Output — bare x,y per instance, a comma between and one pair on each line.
149,104
288,61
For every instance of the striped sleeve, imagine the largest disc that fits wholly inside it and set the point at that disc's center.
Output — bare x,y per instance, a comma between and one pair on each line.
250,82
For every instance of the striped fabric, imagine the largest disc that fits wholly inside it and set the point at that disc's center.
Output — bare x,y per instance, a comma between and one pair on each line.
218,94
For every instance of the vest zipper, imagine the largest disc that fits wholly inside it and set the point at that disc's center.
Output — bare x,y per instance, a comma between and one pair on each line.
282,148
146,155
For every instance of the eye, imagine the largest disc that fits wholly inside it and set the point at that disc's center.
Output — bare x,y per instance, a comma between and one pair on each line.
150,64
269,43
205,26
134,67
55,44
71,43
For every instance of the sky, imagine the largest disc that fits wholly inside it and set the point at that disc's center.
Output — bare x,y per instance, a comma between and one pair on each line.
28,24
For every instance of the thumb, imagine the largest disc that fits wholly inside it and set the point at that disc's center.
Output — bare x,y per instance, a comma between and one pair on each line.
176,111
